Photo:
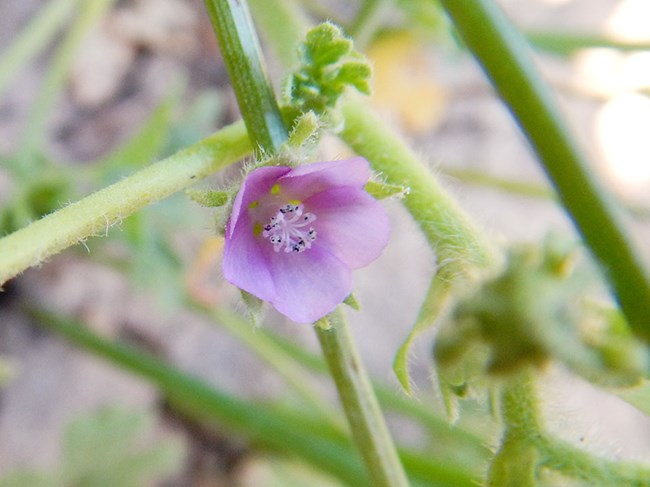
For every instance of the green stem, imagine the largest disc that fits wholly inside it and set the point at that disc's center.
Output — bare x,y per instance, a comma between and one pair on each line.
515,464
526,447
96,213
89,14
461,249
241,52
503,53
573,462
360,404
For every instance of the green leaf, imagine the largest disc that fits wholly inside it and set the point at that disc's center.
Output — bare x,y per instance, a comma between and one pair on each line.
105,449
437,298
210,199
328,67
352,302
325,45
380,190
255,307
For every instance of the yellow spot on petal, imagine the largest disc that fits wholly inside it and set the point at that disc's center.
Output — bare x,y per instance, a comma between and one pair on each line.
295,202
257,229
275,189
254,204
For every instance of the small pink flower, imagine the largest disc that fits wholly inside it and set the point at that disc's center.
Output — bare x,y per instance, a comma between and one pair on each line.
295,235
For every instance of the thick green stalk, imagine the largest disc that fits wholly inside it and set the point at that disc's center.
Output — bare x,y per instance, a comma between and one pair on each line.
461,251
96,213
368,427
503,53
460,247
241,53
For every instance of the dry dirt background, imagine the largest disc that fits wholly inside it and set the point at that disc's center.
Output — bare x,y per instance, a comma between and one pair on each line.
108,98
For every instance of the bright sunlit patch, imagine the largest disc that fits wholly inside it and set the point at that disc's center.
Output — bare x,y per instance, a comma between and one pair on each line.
630,20
609,72
598,70
622,128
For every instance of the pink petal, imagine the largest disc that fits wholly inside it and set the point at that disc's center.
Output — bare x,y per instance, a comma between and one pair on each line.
245,263
309,284
351,224
257,184
304,181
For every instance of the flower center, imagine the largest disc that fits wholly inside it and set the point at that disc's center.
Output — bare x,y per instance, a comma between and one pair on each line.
290,228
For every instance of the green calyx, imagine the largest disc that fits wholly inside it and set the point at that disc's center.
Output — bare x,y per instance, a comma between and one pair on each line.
533,312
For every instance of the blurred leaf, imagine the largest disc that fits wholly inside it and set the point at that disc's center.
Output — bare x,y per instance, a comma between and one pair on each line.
154,264
87,16
146,145
106,449
566,43
198,121
35,37
29,479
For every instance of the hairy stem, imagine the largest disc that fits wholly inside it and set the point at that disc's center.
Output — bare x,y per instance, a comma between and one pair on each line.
94,214
360,404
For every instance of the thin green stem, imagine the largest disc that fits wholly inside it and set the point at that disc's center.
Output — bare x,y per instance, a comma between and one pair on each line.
360,404
96,213
33,38
89,14
576,463
241,52
461,251
504,55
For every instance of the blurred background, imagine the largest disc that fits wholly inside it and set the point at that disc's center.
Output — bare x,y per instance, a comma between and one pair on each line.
97,89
